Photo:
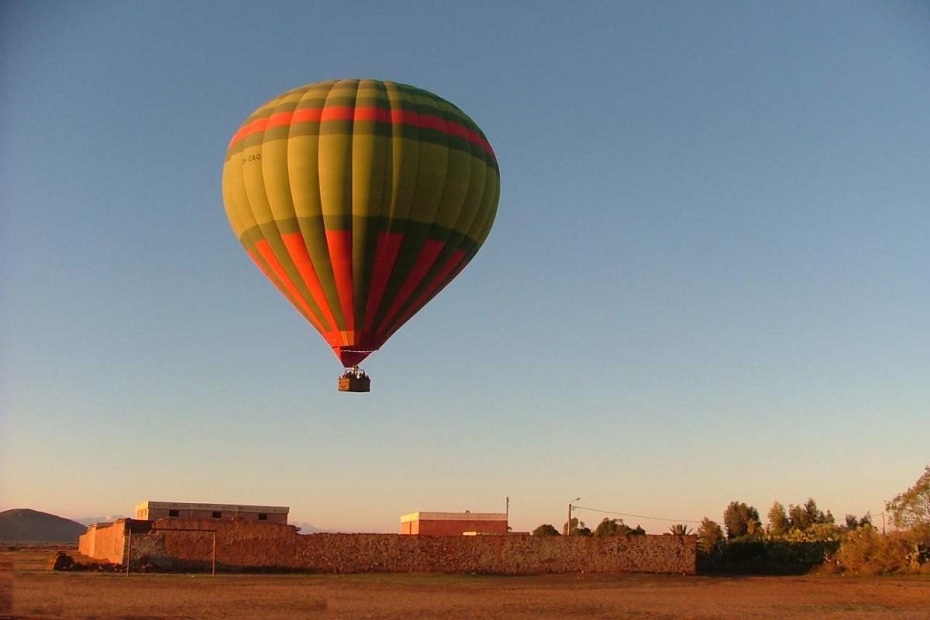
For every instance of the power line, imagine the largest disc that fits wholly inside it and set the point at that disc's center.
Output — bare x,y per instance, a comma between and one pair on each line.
624,514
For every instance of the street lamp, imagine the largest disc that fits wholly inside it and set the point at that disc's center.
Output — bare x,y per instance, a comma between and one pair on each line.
568,526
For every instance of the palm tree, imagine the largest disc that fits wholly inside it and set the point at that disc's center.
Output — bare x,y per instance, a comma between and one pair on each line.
680,529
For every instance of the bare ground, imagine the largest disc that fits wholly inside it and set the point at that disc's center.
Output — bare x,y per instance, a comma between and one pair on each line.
39,593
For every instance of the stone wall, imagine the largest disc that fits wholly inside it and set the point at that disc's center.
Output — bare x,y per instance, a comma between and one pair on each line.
508,554
245,546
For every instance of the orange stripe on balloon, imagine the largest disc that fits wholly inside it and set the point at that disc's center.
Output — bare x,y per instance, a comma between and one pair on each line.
340,256
247,130
294,242
373,115
280,119
386,250
336,113
285,285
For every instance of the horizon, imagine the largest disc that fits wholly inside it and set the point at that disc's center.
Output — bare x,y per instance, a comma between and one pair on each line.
628,519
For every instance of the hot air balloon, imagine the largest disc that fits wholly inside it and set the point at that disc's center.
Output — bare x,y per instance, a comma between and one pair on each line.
360,200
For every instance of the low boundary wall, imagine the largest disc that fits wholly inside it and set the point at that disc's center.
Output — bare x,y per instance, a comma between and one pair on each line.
104,541
248,546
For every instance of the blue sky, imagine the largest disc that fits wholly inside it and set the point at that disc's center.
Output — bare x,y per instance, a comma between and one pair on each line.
707,280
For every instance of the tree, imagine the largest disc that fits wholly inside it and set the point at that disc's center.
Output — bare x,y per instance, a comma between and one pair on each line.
912,507
710,535
779,524
852,523
546,530
577,528
616,527
741,520
804,517
680,529
611,527
797,518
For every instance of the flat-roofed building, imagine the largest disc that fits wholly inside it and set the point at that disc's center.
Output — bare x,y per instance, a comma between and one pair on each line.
152,511
453,523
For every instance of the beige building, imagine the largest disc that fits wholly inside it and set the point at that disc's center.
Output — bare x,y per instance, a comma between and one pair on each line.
152,511
453,523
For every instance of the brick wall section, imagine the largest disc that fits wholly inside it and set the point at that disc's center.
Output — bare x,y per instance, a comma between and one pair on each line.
243,546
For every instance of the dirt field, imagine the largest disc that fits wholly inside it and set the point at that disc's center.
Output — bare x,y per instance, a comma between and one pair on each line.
38,593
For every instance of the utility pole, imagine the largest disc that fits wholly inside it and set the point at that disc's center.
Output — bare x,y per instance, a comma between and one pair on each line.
568,526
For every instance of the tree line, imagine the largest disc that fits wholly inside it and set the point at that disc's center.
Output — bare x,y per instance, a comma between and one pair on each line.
799,537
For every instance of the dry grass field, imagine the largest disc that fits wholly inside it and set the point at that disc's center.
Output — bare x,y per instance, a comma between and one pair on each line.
39,593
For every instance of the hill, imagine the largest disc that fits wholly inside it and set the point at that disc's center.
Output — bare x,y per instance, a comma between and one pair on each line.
101,519
25,525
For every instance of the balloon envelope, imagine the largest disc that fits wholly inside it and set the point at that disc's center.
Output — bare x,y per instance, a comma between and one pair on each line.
360,200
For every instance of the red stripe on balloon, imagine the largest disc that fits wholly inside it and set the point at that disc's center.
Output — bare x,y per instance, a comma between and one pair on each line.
340,256
386,250
361,114
426,258
445,275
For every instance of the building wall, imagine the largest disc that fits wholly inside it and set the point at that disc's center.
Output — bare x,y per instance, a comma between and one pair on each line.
459,527
185,510
104,541
244,546
453,523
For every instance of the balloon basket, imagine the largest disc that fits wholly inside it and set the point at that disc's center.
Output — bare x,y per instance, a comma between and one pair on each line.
354,381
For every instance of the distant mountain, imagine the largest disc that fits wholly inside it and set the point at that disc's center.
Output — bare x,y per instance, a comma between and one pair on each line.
106,519
306,528
25,525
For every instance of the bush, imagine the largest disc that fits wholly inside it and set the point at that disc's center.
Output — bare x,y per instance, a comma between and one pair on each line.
546,529
866,552
773,557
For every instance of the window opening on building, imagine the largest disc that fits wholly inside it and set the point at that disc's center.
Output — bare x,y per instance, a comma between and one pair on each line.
217,514
174,512
262,516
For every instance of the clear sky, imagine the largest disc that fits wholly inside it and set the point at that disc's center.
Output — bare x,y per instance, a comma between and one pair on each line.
707,281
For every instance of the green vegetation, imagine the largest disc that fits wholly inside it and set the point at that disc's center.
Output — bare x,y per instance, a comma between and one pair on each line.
803,537
865,551
741,521
576,528
799,538
546,530
710,537
912,508
616,527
